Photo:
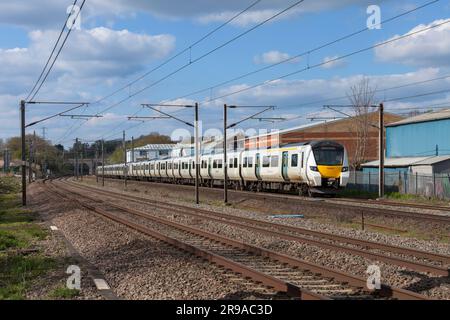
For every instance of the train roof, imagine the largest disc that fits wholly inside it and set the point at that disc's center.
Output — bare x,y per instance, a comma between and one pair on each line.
313,143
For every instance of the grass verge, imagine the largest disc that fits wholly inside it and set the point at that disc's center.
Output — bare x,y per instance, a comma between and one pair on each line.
19,265
63,293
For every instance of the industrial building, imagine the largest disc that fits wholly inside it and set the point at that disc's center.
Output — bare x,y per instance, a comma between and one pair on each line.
417,156
427,134
149,152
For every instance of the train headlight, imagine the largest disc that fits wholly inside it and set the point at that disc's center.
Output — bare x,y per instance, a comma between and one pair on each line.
314,168
344,169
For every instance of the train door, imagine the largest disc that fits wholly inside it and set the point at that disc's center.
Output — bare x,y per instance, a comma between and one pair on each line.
284,165
209,167
257,167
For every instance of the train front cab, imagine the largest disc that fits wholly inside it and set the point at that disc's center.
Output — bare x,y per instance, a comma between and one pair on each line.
327,165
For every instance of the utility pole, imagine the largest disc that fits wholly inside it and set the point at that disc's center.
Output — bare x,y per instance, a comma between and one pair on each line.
103,163
125,171
24,168
225,165
44,166
76,158
132,149
381,153
197,156
82,162
30,152
96,162
34,152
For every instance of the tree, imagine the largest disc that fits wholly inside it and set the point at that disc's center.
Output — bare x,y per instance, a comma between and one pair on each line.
361,97
44,154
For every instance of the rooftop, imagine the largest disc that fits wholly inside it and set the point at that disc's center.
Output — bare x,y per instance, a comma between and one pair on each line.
424,117
156,147
408,161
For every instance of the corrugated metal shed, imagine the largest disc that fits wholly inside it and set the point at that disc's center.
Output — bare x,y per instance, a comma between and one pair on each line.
427,165
396,162
429,116
424,135
432,160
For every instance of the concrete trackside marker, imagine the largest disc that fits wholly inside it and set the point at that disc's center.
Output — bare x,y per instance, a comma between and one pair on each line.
53,228
101,284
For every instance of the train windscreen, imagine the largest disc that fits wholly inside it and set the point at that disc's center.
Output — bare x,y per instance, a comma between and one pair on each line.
329,155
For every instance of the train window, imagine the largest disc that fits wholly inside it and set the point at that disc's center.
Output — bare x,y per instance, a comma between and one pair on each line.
266,162
235,162
146,167
274,161
303,157
219,164
244,164
250,162
294,160
215,164
230,164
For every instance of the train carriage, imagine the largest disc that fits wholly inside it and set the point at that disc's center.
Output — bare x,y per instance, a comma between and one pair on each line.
305,167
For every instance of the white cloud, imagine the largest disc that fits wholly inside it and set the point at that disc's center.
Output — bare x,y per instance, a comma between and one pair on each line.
295,92
331,62
429,48
91,56
50,13
272,57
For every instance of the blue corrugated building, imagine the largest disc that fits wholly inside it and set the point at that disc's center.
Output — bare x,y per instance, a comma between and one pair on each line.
427,134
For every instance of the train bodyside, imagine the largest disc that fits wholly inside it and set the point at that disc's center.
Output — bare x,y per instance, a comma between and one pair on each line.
320,164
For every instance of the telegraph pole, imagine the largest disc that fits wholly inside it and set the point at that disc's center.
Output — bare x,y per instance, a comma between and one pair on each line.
103,163
197,156
381,153
125,171
225,165
24,168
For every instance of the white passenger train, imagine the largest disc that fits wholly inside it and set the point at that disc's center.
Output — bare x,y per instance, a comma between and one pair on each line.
301,167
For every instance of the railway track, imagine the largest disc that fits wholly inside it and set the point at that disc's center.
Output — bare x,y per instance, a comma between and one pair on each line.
357,207
432,262
295,277
439,208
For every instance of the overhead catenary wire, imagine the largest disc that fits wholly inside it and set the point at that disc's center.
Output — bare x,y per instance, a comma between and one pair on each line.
334,60
190,62
327,62
201,57
58,53
188,48
51,54
308,52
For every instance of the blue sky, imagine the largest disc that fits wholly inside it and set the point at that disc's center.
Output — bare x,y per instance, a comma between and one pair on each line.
120,40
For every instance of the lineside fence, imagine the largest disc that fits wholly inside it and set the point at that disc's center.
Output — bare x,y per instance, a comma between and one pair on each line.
437,185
